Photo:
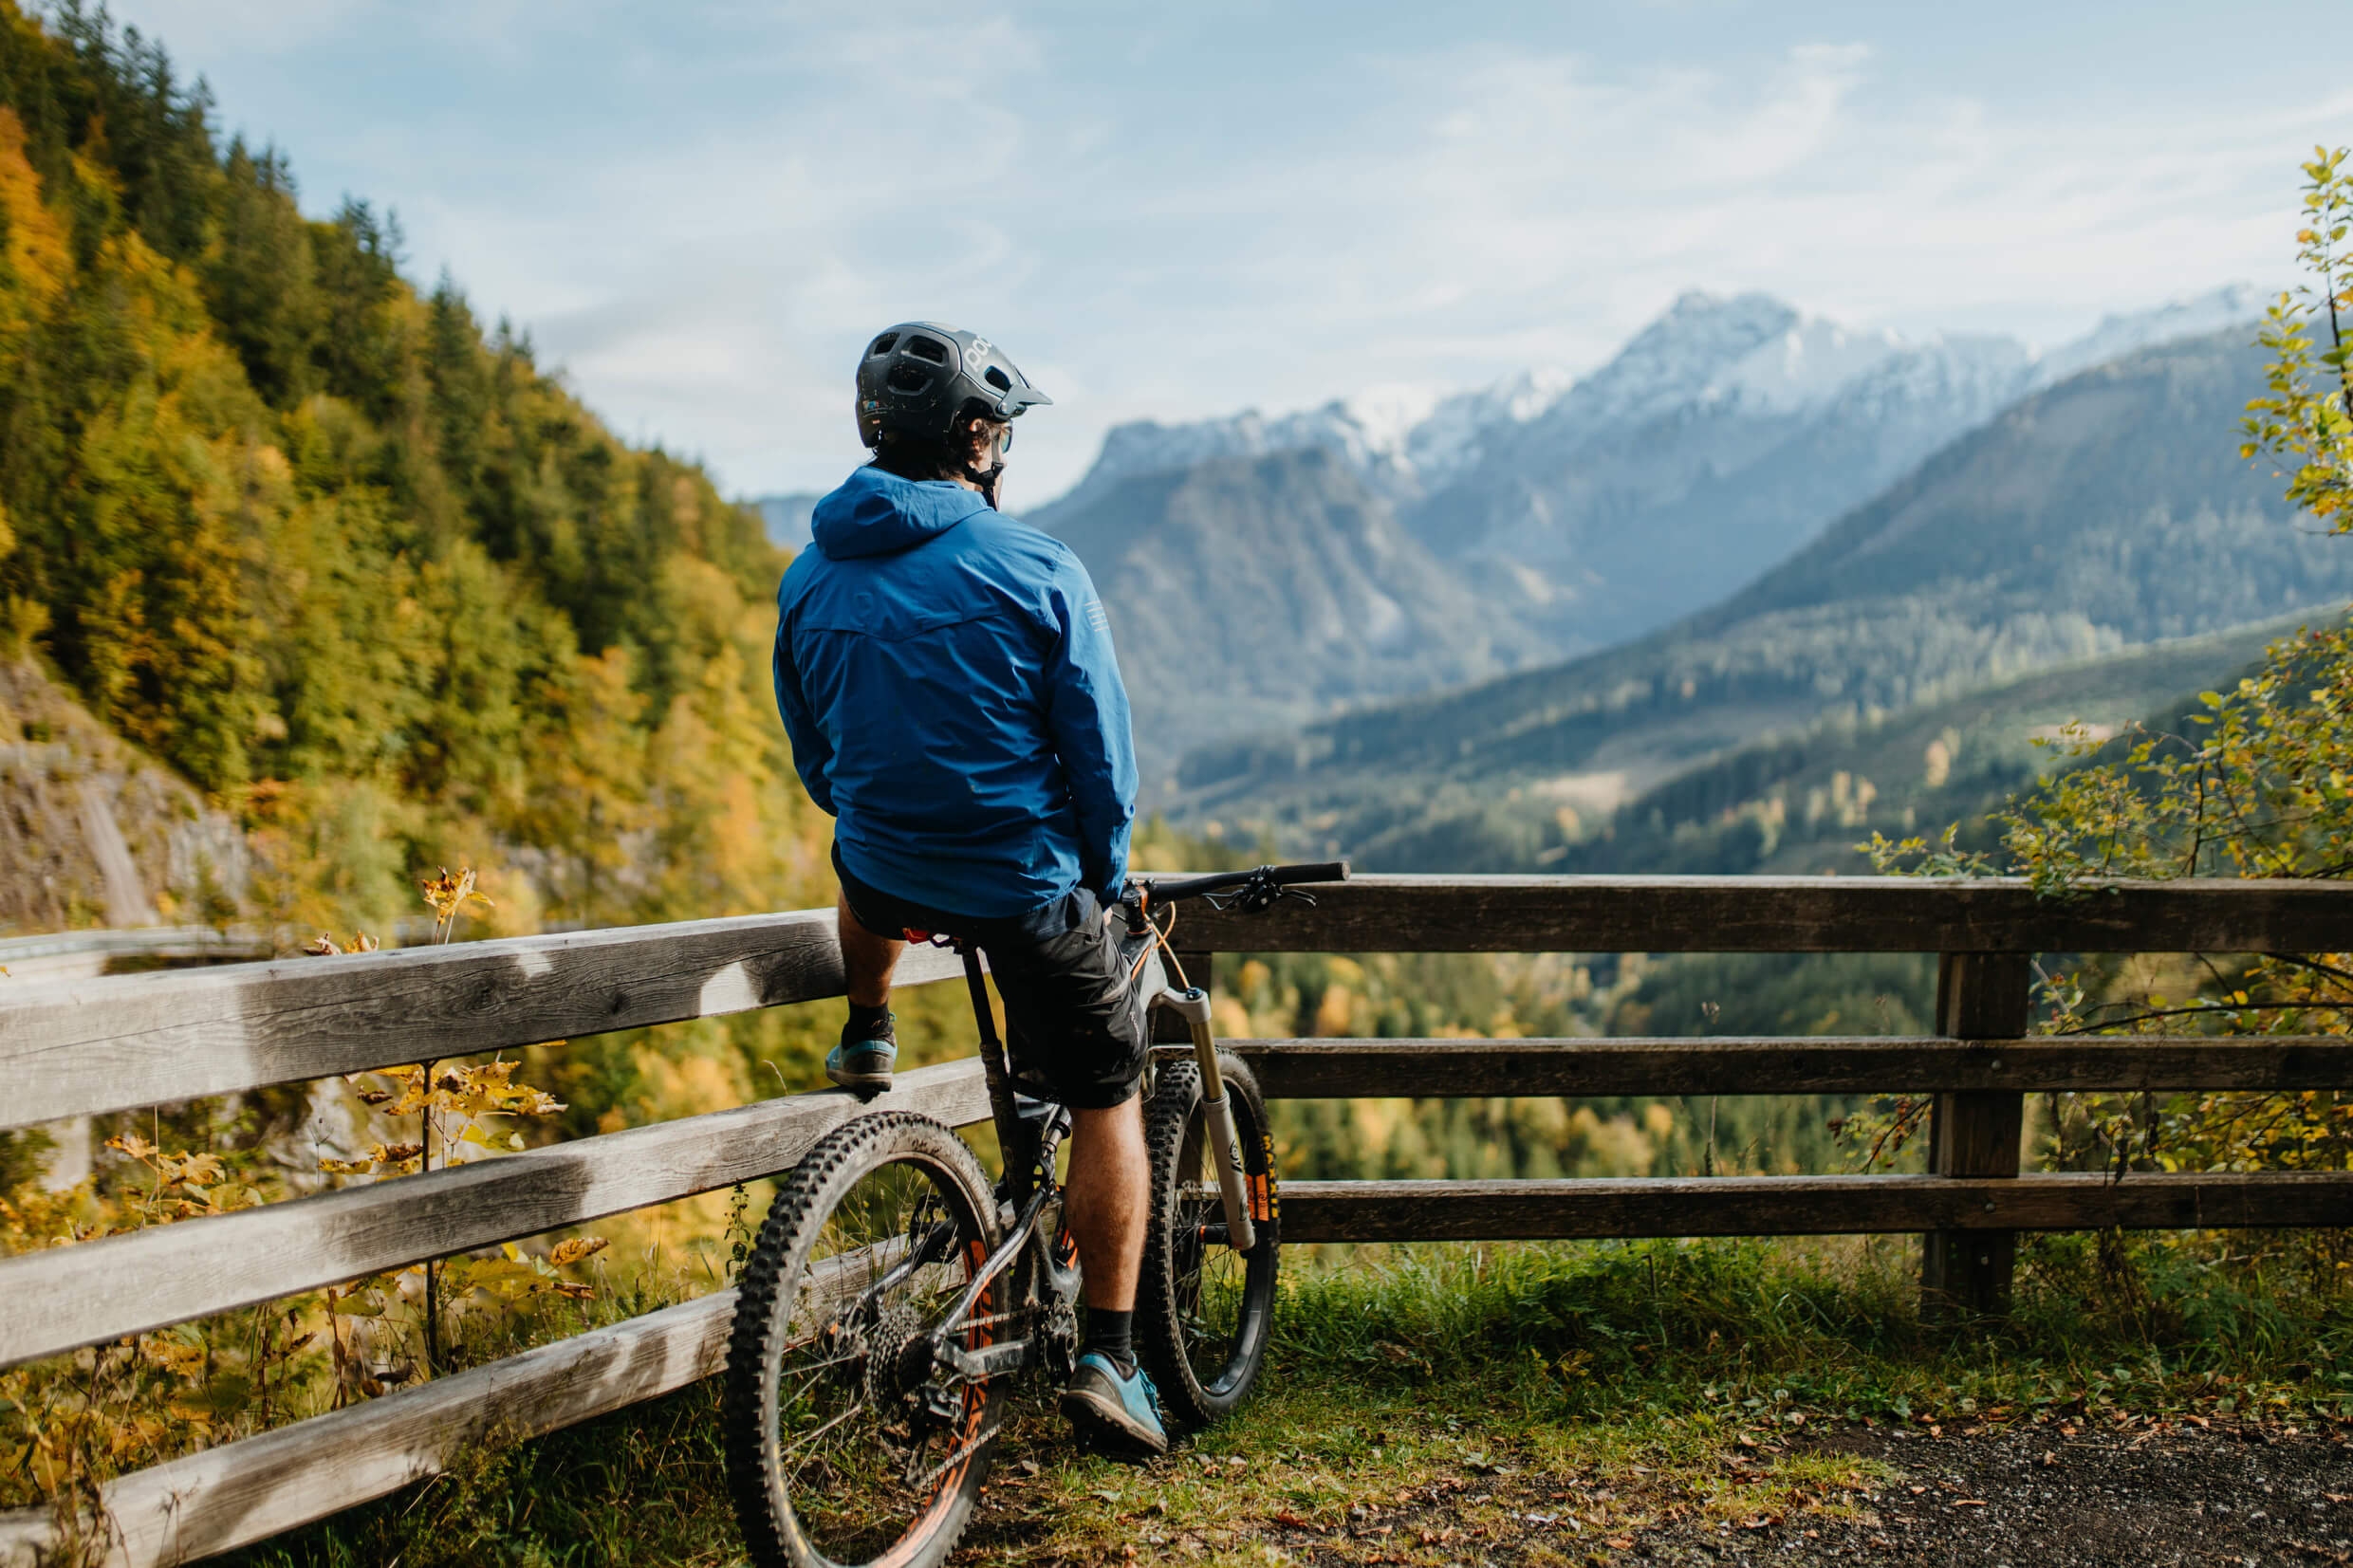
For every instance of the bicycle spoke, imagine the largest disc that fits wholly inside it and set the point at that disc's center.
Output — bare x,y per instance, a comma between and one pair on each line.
861,1455
810,1437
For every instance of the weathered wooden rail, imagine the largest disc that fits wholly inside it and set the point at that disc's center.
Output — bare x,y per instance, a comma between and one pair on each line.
91,1047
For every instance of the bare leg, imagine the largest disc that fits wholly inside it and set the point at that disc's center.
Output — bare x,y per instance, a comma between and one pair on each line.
868,960
1108,1200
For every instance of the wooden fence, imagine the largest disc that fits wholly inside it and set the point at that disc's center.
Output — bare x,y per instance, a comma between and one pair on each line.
96,1046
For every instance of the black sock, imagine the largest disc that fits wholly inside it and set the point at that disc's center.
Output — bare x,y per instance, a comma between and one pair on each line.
1112,1334
867,1023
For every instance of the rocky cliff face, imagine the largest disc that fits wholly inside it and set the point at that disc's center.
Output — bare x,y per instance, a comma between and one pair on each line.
94,834
1263,593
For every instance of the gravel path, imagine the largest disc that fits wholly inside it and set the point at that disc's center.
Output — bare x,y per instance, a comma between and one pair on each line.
2048,1497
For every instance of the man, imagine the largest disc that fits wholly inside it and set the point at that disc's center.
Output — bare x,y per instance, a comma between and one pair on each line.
946,677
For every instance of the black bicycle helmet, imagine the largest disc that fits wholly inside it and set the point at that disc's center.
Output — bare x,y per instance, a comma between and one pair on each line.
917,378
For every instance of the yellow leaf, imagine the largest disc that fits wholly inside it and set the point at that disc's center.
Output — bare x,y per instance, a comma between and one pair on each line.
576,1249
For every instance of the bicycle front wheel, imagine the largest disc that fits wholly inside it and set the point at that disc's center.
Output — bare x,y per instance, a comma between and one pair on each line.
835,1455
1204,1310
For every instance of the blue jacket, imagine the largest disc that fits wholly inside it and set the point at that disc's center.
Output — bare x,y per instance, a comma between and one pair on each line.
946,678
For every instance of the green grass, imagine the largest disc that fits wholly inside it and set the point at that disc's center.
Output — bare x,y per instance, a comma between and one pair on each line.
1415,1398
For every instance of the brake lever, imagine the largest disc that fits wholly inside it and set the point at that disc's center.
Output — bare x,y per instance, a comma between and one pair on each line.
1258,894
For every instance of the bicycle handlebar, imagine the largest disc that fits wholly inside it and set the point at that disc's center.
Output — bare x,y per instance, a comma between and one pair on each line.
1224,881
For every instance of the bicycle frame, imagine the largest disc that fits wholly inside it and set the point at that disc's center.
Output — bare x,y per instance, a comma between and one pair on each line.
1191,1005
1028,1147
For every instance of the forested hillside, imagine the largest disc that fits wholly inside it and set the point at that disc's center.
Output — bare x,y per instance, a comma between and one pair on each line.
1799,804
353,564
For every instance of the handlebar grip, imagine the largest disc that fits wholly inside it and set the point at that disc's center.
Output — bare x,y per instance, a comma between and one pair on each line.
1322,871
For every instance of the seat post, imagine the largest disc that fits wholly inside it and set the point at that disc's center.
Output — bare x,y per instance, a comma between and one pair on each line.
1012,1136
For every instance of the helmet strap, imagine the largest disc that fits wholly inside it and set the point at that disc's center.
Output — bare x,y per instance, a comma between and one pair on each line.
985,480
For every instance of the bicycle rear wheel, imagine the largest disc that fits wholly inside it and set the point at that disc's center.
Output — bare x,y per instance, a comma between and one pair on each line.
1204,1310
833,1456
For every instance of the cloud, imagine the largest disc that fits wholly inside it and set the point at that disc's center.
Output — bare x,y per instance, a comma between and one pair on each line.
703,211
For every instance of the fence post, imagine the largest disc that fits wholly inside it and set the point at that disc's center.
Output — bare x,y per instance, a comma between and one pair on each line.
1979,996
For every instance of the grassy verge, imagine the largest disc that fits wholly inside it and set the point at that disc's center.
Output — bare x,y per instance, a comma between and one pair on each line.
1422,1406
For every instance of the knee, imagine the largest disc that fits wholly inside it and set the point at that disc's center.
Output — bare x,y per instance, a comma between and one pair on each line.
1117,1123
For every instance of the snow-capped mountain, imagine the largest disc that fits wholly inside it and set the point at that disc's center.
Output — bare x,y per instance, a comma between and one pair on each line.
1402,439
1723,435
1587,510
1750,352
2116,336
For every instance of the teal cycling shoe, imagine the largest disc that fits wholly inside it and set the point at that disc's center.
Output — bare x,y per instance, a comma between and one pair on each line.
864,1066
1120,1410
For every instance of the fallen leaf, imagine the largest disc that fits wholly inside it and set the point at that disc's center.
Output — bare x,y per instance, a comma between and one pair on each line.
1287,1517
2050,1457
1621,1542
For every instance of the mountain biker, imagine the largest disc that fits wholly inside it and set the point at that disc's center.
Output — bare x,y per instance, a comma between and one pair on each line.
946,678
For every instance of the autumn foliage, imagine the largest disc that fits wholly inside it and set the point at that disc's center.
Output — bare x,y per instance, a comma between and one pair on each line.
344,559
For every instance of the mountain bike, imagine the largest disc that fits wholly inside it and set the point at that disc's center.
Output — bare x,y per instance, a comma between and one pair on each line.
895,1295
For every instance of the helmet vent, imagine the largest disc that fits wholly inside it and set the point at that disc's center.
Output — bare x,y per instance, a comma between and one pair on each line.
907,379
882,344
998,379
927,348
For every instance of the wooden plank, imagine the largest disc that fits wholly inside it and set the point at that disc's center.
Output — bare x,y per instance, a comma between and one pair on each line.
86,954
74,1296
72,1048
1783,914
1975,1132
1437,1069
1802,1205
258,1486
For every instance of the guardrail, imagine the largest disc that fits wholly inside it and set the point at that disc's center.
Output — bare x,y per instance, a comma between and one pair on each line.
70,1049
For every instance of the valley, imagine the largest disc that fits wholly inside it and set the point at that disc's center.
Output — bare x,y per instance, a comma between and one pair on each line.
2095,518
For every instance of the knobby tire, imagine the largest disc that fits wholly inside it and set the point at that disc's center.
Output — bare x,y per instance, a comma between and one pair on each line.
1204,1312
817,1490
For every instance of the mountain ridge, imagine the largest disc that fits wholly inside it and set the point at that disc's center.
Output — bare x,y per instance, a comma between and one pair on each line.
2103,512
1587,512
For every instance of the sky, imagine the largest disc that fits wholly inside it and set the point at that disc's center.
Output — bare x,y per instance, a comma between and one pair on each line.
700,210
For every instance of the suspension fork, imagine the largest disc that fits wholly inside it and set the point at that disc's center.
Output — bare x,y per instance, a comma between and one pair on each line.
1217,1113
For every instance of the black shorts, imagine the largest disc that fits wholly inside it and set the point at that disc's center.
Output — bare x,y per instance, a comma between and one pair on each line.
1071,1028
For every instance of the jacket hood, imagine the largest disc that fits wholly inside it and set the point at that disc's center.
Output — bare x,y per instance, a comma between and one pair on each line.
875,513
